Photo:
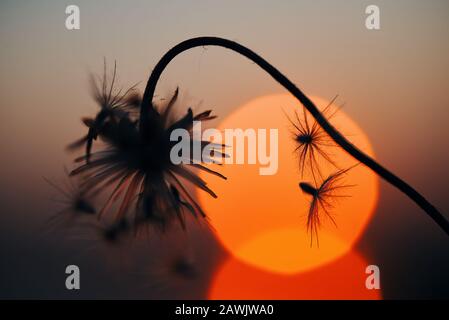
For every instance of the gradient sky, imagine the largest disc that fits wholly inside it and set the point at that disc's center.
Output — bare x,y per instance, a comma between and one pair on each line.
394,83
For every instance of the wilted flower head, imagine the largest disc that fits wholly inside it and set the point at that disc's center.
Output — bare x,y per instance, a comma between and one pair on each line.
322,201
138,168
312,142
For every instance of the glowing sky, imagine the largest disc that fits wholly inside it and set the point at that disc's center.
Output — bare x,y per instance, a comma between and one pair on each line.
394,82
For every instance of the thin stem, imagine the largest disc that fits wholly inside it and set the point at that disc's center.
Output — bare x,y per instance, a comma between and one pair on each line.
147,107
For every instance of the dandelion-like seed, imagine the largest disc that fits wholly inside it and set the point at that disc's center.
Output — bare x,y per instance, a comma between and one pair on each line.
184,267
137,165
173,272
312,142
114,232
322,201
75,201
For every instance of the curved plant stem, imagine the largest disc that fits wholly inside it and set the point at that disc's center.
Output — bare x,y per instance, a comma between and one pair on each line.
147,107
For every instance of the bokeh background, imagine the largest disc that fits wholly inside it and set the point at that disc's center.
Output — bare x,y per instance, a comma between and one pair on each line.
394,82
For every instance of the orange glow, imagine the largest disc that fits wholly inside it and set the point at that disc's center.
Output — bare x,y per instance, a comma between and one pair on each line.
278,256
344,278
261,219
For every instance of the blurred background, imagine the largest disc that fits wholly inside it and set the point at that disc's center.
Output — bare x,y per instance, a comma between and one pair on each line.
394,83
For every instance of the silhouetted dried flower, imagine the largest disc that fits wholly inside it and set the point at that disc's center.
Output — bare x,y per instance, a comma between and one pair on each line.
312,141
322,198
137,158
138,167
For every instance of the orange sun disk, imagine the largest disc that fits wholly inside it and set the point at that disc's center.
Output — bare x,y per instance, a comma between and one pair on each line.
261,220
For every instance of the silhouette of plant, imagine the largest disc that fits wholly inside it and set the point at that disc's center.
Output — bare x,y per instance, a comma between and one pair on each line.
147,109
136,162
321,203
137,166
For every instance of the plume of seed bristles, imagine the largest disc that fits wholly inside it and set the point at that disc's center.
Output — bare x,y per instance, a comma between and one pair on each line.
312,143
323,201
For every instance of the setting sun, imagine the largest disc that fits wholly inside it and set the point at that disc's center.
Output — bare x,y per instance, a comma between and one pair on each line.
262,219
